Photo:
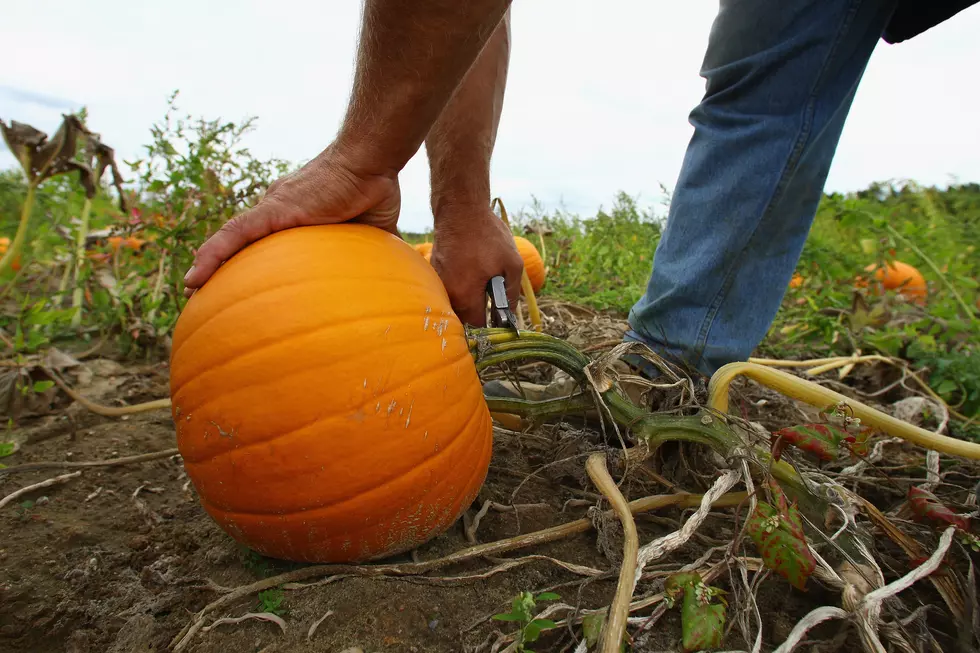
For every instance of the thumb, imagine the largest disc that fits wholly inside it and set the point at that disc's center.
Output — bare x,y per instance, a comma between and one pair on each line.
242,230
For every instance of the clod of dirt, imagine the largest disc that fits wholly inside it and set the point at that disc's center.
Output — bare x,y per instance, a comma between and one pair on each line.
135,635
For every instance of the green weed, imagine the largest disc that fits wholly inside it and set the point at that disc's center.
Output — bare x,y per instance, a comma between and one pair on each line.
522,613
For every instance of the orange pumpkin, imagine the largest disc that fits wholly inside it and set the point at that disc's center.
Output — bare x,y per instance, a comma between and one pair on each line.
330,412
532,262
901,277
424,249
134,243
4,245
796,281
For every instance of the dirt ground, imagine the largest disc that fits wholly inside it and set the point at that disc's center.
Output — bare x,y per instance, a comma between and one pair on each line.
119,558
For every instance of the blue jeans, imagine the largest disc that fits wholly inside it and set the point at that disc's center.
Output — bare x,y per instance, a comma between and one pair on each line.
781,76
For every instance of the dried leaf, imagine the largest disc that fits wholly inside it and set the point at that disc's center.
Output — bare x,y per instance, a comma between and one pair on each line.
926,506
777,531
22,140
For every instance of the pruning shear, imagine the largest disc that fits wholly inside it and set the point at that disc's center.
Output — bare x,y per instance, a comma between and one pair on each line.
500,313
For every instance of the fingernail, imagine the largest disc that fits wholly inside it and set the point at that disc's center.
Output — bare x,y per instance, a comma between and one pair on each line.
189,273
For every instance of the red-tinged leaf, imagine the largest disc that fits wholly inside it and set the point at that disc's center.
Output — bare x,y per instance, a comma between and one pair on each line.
702,622
822,440
926,506
859,443
777,533
676,583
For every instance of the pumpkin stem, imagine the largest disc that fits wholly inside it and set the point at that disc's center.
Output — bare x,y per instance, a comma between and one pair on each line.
707,427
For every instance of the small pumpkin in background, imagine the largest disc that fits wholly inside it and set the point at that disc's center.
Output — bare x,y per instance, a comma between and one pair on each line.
796,281
425,249
4,246
331,412
900,276
532,262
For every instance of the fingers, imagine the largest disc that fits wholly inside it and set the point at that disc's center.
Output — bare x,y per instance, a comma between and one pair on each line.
235,234
474,315
512,281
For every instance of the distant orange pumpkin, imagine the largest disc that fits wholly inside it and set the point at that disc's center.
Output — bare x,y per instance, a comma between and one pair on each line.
532,262
796,281
904,278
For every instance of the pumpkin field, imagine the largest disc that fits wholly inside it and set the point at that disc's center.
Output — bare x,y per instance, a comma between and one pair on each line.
306,461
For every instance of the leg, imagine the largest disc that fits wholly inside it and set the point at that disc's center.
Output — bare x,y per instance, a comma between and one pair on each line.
780,81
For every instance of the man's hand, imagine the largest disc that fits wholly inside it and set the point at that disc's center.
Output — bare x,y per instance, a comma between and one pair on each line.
411,57
471,246
327,190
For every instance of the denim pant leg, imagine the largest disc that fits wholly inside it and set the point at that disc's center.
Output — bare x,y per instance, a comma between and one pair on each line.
780,78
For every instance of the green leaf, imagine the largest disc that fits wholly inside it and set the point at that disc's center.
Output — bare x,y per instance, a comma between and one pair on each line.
777,533
946,386
532,631
508,616
702,622
592,628
6,448
41,386
547,596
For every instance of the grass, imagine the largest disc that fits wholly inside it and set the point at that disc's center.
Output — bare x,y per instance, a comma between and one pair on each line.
194,174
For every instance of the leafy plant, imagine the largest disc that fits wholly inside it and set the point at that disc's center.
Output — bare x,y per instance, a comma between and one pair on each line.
271,601
522,613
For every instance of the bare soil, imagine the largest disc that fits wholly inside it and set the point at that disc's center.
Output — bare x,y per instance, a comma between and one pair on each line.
119,558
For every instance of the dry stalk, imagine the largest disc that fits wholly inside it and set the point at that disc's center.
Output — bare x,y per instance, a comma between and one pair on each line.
841,361
943,583
821,397
37,486
182,639
615,626
260,616
316,624
111,462
99,409
672,541
868,608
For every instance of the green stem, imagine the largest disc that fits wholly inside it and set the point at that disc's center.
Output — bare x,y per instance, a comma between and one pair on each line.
541,410
493,346
935,268
157,288
63,284
25,218
77,294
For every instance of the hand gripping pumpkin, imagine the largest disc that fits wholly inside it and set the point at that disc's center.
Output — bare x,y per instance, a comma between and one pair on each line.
326,404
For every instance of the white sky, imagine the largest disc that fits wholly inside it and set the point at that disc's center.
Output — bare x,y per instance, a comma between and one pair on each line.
597,99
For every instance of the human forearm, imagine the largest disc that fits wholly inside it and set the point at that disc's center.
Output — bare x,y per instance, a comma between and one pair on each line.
412,56
461,141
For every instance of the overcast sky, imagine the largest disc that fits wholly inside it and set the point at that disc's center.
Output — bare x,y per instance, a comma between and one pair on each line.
597,99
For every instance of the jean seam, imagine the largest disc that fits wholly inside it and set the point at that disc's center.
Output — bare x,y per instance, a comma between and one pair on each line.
791,160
